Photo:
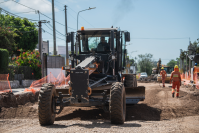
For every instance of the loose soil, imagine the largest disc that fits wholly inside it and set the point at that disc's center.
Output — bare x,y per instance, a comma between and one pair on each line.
157,106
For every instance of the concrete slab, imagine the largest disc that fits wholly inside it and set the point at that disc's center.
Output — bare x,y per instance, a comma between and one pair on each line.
19,91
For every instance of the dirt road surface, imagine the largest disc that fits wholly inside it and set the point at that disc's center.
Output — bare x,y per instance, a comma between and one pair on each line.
159,112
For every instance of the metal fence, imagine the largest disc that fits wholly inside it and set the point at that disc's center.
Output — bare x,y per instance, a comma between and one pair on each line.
55,61
20,72
25,72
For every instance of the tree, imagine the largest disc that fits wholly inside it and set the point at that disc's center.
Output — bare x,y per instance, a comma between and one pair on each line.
131,61
194,47
27,34
172,63
7,39
145,63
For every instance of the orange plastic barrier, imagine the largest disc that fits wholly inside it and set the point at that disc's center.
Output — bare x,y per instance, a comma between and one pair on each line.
59,81
4,83
186,78
196,80
48,79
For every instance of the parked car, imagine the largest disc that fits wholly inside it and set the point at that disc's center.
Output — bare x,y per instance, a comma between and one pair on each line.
143,75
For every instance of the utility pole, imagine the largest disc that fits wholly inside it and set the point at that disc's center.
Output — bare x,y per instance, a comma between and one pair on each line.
181,62
72,49
67,53
40,44
54,33
40,39
186,62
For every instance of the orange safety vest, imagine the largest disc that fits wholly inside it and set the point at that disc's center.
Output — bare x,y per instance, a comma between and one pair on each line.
163,73
196,69
176,75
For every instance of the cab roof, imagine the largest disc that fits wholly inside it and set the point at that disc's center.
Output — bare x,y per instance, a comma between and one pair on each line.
99,29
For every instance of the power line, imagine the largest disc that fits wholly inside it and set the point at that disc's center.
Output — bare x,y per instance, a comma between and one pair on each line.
23,12
56,30
55,21
5,1
59,7
47,3
51,19
70,14
60,2
23,5
162,38
15,15
80,16
52,35
50,4
41,13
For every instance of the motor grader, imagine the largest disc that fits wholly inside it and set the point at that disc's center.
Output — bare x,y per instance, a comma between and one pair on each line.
96,77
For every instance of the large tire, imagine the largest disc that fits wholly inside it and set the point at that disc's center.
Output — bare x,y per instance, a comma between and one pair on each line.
129,81
117,103
45,106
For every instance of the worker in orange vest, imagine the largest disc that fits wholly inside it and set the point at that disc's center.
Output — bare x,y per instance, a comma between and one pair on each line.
164,75
195,72
176,75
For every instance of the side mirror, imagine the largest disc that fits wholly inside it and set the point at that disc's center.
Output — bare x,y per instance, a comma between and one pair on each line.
127,36
68,37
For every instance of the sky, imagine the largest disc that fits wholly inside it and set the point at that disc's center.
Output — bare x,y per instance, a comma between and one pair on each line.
158,27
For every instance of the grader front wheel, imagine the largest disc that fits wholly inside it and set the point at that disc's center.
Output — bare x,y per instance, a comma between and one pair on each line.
45,106
117,103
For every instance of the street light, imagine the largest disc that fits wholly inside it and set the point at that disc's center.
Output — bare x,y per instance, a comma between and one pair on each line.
82,11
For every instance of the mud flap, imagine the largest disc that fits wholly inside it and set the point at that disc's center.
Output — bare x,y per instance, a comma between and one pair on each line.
135,94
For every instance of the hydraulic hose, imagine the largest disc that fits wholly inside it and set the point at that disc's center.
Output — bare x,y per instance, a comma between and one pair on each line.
107,67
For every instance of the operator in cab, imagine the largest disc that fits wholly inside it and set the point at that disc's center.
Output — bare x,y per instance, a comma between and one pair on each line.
103,45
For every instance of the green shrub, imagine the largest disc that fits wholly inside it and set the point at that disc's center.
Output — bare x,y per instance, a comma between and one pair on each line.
4,59
31,59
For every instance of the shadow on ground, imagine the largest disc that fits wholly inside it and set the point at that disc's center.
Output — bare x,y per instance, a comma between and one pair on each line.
133,112
96,124
98,118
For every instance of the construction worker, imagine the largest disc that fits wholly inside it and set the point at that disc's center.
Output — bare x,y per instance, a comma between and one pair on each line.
195,71
195,66
176,75
164,75
196,74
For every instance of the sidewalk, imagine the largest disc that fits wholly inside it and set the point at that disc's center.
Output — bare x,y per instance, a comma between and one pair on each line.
19,91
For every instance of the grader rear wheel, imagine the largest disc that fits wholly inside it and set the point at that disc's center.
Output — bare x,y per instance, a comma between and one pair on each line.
45,106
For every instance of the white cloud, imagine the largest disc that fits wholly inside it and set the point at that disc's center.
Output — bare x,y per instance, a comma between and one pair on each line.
43,6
